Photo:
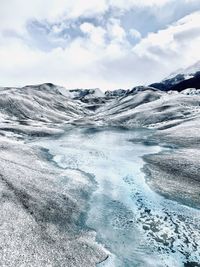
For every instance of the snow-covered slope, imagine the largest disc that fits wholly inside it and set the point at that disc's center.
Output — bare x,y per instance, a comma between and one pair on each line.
149,108
40,103
141,106
83,94
116,93
44,195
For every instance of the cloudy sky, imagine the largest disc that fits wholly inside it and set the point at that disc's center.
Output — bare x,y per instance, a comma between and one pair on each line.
96,43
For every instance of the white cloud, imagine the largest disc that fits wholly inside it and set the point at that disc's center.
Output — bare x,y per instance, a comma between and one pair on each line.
96,34
103,56
15,13
133,3
115,30
176,43
135,34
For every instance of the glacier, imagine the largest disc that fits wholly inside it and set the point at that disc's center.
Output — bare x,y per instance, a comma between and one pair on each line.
89,178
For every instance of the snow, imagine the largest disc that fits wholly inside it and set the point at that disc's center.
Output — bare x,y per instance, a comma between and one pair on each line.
55,152
187,72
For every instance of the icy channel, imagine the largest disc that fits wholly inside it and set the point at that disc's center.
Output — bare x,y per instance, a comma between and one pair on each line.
137,226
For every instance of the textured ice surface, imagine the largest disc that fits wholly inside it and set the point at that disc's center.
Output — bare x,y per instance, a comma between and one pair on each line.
42,212
137,226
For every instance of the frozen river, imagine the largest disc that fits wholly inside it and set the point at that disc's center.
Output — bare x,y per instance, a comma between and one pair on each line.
137,226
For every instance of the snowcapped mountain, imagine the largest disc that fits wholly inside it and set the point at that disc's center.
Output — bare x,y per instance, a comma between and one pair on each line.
116,93
181,80
169,102
83,94
43,103
188,72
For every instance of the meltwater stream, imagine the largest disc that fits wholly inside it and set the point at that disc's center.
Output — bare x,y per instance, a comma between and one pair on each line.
137,226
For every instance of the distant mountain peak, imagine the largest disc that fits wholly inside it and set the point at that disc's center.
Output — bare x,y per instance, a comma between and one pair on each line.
181,79
187,72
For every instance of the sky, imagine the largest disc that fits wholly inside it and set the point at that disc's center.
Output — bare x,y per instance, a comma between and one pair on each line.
106,44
